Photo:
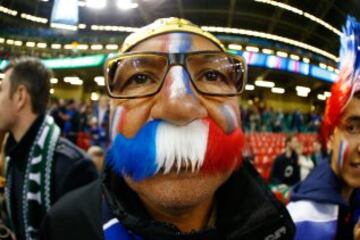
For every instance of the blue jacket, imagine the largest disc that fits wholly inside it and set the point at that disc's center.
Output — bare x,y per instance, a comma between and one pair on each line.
317,207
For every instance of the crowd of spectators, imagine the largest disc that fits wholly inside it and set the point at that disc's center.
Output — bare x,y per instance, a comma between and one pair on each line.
256,119
85,124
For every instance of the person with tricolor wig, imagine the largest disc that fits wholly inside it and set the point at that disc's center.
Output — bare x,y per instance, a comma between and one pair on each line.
327,204
174,169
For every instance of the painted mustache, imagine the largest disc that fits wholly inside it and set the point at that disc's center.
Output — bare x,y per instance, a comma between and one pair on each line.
161,147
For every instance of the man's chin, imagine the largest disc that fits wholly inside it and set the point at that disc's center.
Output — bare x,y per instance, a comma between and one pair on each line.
178,189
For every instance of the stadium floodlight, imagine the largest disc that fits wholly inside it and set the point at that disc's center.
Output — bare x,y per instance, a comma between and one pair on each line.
327,94
267,51
295,57
323,65
100,80
302,89
96,4
321,97
52,91
94,96
18,43
252,49
302,94
41,45
282,54
10,42
306,60
54,80
249,87
265,84
56,46
30,44
278,90
235,46
112,46
126,4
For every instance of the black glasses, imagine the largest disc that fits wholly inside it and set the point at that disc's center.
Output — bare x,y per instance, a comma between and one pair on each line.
137,75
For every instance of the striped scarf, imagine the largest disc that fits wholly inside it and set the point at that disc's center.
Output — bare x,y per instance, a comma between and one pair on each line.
36,199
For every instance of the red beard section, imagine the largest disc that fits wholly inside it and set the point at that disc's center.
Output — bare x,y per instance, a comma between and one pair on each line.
223,151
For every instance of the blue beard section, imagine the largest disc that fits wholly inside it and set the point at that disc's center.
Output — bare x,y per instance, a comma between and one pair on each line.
135,157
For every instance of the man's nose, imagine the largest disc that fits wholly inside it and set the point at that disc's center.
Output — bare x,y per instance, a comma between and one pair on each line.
176,102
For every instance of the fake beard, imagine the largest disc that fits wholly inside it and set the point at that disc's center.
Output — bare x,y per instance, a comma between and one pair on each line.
161,147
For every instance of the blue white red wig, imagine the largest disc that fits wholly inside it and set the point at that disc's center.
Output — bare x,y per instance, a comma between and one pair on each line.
348,81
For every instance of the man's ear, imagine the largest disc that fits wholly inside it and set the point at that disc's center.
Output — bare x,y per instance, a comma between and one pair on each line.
21,96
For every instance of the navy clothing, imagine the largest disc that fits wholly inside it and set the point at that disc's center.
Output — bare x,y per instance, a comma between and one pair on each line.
323,188
71,169
285,170
246,209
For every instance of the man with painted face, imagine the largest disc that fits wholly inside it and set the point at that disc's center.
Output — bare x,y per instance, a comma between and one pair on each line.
174,169
327,204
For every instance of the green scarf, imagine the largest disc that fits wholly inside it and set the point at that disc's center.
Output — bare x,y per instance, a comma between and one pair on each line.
36,197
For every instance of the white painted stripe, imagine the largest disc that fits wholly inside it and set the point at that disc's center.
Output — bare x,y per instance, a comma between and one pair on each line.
177,87
109,223
311,211
175,43
43,136
181,145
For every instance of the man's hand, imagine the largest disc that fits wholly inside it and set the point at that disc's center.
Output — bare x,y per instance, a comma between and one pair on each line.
357,231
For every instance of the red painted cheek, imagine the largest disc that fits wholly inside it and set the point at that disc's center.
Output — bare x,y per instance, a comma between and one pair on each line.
223,151
122,121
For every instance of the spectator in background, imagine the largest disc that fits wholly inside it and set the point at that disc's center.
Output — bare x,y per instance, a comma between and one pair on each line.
97,155
278,122
58,112
297,121
318,152
305,162
327,204
174,167
42,165
314,122
254,117
97,134
72,124
101,115
286,169
266,119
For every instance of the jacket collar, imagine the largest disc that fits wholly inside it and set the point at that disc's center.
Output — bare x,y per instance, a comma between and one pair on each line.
19,150
242,206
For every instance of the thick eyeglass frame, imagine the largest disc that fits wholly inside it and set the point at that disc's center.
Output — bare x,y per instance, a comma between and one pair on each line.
174,59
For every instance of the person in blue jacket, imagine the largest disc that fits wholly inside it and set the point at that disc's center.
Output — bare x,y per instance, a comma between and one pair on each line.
327,204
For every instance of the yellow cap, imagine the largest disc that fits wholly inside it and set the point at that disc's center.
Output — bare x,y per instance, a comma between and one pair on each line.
165,25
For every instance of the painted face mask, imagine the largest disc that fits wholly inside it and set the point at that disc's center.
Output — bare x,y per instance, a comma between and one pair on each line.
210,142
